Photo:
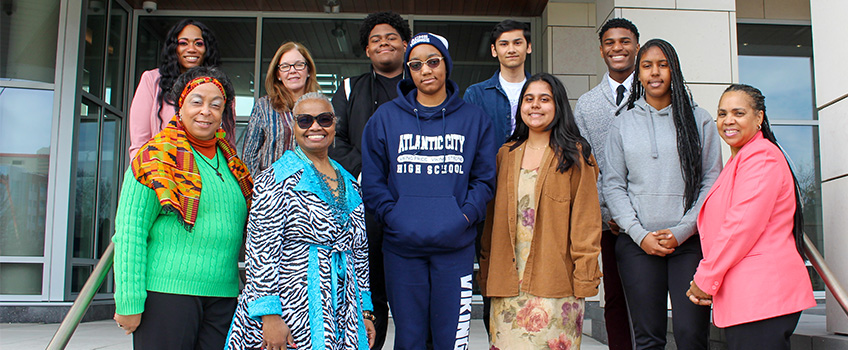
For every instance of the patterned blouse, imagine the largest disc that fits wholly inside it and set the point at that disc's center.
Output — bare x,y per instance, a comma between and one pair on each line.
268,136
302,263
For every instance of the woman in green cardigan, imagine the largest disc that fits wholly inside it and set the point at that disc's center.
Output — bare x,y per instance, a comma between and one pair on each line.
180,223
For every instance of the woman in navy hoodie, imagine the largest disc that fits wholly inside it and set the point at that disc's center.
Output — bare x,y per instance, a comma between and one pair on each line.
428,171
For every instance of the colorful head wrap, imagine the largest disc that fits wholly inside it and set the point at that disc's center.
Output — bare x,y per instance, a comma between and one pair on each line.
195,83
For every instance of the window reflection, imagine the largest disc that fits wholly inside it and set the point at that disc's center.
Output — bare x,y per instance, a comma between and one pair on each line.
20,279
786,82
86,180
24,162
28,36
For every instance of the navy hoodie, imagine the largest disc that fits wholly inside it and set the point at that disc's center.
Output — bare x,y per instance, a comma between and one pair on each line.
421,173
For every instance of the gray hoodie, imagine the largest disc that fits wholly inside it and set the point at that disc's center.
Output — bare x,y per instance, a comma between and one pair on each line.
643,182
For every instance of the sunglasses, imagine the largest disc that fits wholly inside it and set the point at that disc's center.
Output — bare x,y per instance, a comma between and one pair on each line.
325,120
416,65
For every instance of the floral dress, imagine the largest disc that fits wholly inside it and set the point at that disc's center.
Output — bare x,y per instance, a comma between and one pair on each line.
526,321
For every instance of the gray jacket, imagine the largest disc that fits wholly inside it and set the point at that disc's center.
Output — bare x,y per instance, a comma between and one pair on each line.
643,182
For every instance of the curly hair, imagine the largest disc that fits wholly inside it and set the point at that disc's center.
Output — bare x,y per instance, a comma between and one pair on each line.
180,83
170,67
388,17
618,23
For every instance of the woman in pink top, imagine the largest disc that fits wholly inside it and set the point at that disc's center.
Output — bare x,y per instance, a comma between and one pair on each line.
188,44
751,227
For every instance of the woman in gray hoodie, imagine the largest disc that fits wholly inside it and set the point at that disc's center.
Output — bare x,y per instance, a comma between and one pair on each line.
662,156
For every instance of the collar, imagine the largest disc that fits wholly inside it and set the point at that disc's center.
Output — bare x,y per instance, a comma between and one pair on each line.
495,82
628,83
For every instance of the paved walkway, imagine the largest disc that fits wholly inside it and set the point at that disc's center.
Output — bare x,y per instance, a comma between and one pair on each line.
105,335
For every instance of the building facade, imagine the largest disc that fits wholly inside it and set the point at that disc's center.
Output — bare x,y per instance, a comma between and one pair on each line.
68,70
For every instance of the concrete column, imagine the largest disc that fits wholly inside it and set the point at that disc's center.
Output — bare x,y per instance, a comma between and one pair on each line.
571,46
832,102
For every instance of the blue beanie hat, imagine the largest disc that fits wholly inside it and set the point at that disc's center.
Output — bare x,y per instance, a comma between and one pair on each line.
438,41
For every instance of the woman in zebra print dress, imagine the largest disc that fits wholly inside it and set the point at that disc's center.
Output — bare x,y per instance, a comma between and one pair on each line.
307,252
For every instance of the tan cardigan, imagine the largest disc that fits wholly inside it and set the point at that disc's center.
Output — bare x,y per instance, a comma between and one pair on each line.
563,258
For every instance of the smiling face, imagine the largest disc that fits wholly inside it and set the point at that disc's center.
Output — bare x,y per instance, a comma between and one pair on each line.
737,120
511,49
315,139
293,79
655,76
537,106
202,110
618,49
385,47
190,47
429,81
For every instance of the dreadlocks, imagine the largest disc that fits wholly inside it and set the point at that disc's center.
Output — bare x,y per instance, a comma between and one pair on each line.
688,139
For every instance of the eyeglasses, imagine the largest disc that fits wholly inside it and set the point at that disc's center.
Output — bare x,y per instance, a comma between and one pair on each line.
299,65
325,120
432,62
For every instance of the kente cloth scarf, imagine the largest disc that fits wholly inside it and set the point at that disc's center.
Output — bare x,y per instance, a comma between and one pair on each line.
166,165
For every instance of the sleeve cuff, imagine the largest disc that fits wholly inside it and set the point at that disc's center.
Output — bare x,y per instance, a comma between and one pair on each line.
637,233
130,307
269,305
366,301
585,289
707,284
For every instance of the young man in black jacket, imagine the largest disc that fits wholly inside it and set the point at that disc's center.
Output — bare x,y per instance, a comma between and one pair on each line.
384,37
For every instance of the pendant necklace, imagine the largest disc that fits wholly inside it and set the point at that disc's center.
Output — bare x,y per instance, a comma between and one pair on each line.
217,164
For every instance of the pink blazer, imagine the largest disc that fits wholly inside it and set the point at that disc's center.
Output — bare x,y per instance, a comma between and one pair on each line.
750,265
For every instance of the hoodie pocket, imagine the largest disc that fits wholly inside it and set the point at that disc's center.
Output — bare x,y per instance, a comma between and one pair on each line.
658,211
427,221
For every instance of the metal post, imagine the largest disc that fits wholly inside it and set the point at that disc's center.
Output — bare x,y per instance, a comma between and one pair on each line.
817,260
77,311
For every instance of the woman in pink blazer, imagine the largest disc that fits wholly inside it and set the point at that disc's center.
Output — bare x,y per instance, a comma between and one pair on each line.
751,228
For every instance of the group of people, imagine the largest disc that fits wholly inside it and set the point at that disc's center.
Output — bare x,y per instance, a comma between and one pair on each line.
383,196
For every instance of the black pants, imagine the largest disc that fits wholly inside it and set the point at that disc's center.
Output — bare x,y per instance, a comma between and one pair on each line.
615,307
184,322
378,279
771,333
648,280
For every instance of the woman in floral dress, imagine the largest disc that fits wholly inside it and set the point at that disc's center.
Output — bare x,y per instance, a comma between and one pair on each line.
542,238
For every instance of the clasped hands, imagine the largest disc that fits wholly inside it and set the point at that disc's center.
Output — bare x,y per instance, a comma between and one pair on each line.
698,296
659,242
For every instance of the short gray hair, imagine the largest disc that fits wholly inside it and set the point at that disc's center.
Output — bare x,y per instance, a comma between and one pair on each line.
313,96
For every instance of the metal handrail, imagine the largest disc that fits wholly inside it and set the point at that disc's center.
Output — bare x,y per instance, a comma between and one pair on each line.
80,306
817,260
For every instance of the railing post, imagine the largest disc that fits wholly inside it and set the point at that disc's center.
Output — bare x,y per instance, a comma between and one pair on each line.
80,306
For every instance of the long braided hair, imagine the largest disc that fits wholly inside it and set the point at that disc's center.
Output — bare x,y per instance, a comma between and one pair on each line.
758,103
170,67
565,135
683,114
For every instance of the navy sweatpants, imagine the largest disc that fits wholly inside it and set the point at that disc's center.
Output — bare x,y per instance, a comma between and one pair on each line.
430,295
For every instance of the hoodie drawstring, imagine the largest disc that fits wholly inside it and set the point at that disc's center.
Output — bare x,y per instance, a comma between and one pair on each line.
654,149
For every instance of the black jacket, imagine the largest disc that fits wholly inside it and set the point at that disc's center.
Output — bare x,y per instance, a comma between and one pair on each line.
353,106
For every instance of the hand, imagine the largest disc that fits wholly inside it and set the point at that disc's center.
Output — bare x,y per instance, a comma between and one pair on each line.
666,239
698,296
371,332
614,227
128,323
650,244
275,333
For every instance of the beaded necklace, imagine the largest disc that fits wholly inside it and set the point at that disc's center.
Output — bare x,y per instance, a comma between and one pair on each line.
337,196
